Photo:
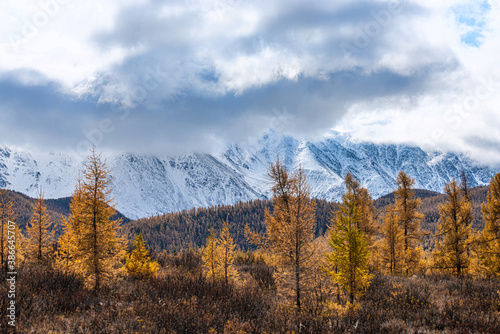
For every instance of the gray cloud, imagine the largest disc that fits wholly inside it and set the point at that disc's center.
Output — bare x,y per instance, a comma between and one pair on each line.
191,121
41,114
200,73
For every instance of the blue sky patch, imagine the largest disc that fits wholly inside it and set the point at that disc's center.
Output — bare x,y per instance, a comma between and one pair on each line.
471,18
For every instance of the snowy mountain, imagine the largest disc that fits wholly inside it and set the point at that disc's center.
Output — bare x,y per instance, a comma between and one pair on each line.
146,185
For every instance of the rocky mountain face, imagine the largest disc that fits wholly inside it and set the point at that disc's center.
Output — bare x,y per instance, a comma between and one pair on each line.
146,185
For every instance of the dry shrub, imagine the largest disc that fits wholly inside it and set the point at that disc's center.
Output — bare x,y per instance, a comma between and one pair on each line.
181,300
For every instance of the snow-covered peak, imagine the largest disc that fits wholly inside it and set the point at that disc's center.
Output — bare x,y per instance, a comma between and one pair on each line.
146,185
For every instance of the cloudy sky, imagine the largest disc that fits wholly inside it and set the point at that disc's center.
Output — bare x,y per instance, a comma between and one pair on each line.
171,76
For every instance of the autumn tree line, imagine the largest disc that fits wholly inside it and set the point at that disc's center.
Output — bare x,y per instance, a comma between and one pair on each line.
90,245
177,231
358,242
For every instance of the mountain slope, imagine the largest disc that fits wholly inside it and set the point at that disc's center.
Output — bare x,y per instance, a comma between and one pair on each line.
147,185
56,208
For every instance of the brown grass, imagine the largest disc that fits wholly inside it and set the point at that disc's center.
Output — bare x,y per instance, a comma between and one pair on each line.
181,300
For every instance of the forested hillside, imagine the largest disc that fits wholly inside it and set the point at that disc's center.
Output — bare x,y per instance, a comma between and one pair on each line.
56,208
180,230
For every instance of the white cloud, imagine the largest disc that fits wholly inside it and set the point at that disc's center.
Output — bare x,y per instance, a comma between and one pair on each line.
396,67
54,37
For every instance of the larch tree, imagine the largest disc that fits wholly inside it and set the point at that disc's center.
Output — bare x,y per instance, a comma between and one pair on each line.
392,242
225,253
138,263
66,259
209,256
6,215
290,231
409,220
453,233
349,254
367,222
39,233
91,244
489,246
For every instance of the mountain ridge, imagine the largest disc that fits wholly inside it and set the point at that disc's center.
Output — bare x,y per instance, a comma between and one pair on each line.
147,185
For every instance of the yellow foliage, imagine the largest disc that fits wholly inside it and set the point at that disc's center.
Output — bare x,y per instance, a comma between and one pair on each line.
138,264
39,233
15,241
209,257
6,215
489,241
225,253
409,220
364,202
391,248
349,254
90,245
290,231
452,251
218,255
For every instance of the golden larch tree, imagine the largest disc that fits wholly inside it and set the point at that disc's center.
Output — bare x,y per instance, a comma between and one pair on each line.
409,221
290,231
39,233
364,202
19,246
489,247
66,259
91,244
209,256
392,241
349,254
367,222
225,253
453,233
138,263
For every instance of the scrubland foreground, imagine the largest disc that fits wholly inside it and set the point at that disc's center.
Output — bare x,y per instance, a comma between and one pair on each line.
180,299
